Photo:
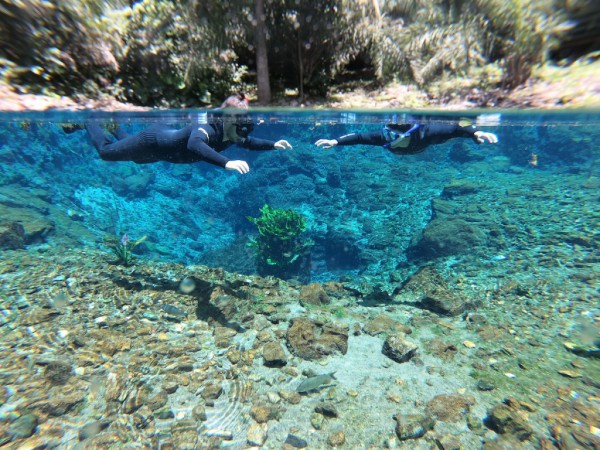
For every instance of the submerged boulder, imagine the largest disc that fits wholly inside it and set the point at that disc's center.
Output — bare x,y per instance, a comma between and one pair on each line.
399,349
427,289
12,236
445,237
312,340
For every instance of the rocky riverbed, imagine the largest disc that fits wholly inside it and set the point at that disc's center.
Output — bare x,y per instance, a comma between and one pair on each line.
157,355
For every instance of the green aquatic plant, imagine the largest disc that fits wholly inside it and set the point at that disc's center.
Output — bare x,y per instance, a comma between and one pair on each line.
279,249
284,224
123,249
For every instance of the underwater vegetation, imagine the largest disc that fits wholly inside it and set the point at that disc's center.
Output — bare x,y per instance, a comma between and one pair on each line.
279,249
123,248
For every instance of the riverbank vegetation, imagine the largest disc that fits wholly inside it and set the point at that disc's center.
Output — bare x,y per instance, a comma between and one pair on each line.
189,53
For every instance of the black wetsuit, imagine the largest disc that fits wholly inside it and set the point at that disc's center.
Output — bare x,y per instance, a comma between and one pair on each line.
193,143
421,138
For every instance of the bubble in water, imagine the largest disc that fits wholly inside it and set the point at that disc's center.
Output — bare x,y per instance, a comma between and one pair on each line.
187,285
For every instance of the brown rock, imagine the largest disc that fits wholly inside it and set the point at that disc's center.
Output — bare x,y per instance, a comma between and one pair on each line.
385,324
158,400
336,439
12,236
413,426
313,340
60,402
273,355
450,407
313,294
429,290
223,336
291,397
58,372
442,349
506,418
212,391
263,413
399,349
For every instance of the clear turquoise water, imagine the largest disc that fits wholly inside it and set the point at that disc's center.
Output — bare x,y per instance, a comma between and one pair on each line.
363,204
504,240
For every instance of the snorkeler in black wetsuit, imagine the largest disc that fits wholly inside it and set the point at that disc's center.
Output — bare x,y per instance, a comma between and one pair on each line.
409,139
193,143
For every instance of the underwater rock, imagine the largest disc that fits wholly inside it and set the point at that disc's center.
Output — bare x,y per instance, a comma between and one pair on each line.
575,425
212,391
262,413
12,236
295,441
133,399
459,187
374,295
256,435
158,400
442,349
132,186
36,225
327,409
164,413
223,336
273,355
399,349
450,407
312,340
445,237
61,401
58,372
23,426
336,439
313,294
199,413
383,323
485,385
428,290
507,418
219,306
92,429
103,441
412,426
183,432
37,316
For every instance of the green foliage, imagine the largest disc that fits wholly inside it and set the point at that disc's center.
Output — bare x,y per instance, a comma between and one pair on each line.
56,46
524,32
123,249
281,224
279,249
422,41
181,53
190,52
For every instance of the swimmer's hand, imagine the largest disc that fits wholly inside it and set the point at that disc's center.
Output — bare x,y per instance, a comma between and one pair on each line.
241,166
326,143
482,136
282,145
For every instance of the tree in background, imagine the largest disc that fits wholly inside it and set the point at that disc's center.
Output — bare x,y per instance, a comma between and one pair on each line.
262,57
195,52
311,41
